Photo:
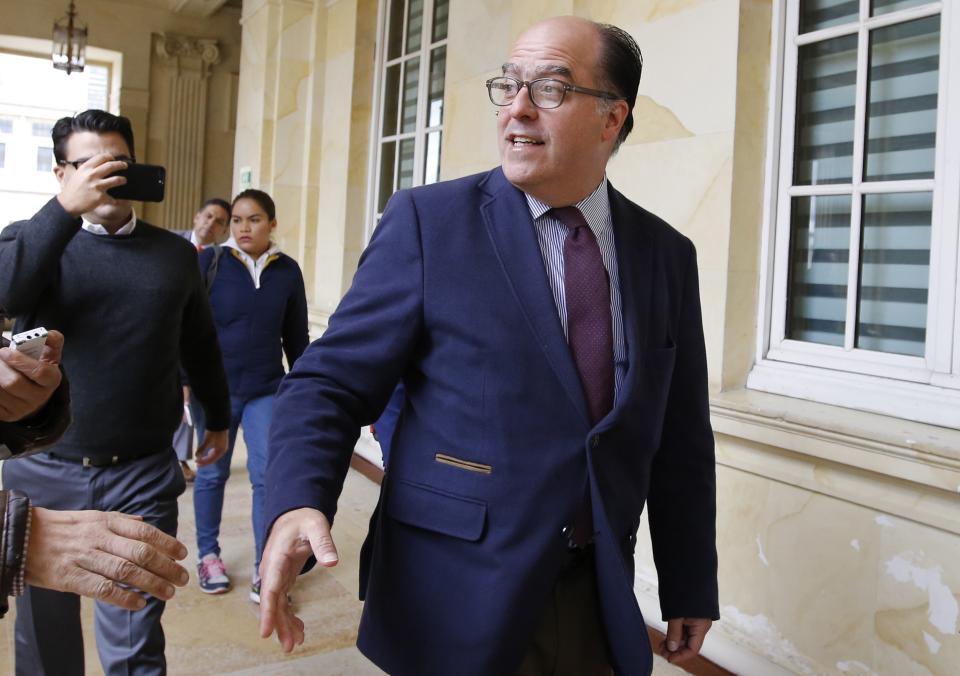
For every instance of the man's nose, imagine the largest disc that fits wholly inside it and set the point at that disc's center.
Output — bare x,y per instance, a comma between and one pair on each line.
522,105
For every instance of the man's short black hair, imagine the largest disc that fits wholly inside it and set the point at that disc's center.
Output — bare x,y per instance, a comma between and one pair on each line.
222,203
621,65
98,121
261,198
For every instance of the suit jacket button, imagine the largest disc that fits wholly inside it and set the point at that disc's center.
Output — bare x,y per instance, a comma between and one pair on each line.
565,532
595,441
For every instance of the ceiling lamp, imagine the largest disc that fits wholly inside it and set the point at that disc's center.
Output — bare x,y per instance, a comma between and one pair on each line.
69,43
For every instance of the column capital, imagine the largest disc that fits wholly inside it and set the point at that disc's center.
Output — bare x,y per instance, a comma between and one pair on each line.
185,51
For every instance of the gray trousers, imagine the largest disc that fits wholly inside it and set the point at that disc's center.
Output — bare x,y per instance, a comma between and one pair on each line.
49,638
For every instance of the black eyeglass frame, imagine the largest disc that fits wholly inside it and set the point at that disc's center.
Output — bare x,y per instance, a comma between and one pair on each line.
565,86
76,163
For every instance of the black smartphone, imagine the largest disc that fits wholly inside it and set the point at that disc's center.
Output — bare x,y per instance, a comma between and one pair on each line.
145,183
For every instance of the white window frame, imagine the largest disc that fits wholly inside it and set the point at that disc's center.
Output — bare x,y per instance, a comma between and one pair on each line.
421,130
925,389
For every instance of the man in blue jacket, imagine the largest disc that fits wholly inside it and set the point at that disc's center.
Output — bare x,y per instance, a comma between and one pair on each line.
549,336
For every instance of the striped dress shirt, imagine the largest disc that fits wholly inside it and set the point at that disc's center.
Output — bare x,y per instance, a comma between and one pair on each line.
551,234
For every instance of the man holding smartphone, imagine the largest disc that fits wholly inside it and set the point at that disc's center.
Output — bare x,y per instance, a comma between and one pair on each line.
129,297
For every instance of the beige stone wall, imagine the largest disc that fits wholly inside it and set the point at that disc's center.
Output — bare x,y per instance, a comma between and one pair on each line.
303,125
838,532
128,27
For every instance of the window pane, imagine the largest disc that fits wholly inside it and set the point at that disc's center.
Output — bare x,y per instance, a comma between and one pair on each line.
431,165
438,68
411,82
406,164
826,93
904,75
391,97
878,7
414,26
6,125
395,29
441,12
98,86
819,256
42,129
388,153
3,155
44,159
817,14
894,272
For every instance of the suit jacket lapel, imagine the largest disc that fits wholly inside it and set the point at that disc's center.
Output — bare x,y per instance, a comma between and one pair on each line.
514,239
634,264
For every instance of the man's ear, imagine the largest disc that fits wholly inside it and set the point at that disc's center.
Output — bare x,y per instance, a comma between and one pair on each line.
615,119
58,171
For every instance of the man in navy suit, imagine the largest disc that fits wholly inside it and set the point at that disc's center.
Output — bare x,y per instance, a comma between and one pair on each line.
548,333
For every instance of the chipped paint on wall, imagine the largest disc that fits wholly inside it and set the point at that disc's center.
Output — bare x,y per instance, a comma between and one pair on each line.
943,611
760,553
855,667
932,644
761,636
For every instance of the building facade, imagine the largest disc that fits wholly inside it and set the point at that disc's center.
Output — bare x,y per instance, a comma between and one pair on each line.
808,148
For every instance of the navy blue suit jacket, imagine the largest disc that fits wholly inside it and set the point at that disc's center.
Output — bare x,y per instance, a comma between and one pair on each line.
495,447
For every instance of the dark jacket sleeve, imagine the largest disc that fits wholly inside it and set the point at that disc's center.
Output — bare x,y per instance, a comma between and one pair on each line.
200,356
30,254
39,430
682,499
296,335
14,531
343,380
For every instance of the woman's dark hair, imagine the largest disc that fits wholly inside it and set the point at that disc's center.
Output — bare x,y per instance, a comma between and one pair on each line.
222,203
98,121
621,65
261,198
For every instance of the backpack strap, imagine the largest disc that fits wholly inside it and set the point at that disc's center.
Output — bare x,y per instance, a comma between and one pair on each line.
211,273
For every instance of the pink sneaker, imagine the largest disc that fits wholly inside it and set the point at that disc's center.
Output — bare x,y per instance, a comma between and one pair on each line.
213,575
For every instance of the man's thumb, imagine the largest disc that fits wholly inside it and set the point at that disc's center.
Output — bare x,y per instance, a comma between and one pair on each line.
674,634
322,544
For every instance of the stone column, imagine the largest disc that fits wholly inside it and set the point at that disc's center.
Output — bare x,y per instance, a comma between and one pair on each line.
185,62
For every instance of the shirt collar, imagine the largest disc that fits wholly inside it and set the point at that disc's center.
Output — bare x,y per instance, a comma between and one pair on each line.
247,258
595,207
98,229
254,267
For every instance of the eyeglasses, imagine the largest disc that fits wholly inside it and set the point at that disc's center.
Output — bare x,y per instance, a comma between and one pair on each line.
76,163
544,92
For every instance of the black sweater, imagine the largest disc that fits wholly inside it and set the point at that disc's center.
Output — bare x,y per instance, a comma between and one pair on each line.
131,308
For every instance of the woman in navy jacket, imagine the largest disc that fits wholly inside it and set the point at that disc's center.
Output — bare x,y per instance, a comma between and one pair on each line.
260,310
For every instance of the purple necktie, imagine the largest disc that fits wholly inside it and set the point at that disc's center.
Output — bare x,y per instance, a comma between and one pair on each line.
589,323
589,332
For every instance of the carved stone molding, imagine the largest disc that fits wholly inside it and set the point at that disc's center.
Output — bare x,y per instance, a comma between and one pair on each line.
186,51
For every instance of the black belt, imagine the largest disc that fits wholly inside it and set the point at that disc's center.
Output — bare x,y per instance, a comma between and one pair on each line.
107,461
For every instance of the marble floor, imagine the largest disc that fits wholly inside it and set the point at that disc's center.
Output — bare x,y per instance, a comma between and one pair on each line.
219,634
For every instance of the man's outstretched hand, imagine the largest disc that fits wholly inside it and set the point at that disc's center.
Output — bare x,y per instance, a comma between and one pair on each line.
100,554
294,537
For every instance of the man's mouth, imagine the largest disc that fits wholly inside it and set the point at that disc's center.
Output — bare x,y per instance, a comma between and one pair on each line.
521,140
